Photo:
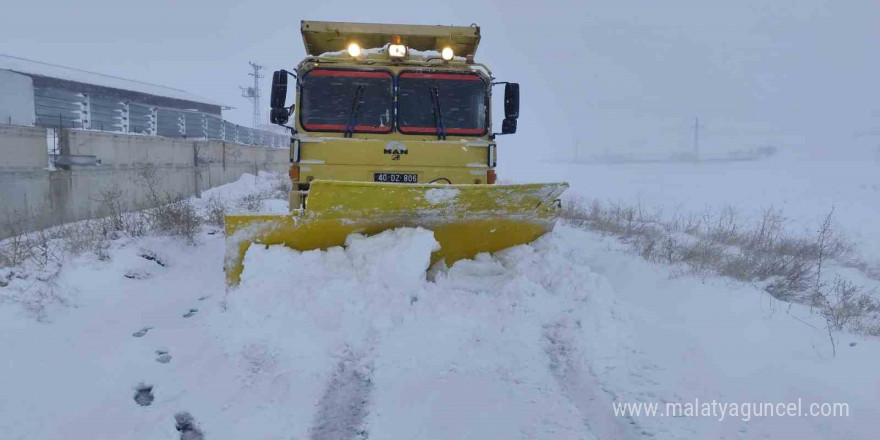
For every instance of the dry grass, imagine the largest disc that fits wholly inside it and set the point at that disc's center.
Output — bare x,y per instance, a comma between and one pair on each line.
167,214
177,218
38,256
162,214
788,266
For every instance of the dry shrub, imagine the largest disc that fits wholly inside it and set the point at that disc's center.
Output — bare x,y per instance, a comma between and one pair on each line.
35,301
252,202
215,211
112,200
86,236
281,186
15,249
176,217
789,266
167,213
843,302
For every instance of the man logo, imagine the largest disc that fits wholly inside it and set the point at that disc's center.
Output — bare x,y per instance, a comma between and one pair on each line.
395,149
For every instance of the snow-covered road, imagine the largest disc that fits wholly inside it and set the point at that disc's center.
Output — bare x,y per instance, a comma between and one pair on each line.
534,342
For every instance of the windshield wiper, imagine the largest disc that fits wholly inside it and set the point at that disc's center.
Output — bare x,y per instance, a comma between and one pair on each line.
438,113
355,109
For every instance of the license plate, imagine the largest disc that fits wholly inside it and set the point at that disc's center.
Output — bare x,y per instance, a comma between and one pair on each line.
395,178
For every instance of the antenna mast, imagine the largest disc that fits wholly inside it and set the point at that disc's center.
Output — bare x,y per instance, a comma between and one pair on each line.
253,93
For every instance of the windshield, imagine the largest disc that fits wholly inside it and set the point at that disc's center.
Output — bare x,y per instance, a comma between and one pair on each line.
345,100
441,102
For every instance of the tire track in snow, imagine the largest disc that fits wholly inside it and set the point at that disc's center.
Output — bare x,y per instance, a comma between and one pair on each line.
581,386
343,407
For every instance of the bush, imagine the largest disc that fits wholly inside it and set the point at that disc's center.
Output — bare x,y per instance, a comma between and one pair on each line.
252,202
215,211
15,249
111,200
790,267
85,236
844,303
176,217
167,213
281,186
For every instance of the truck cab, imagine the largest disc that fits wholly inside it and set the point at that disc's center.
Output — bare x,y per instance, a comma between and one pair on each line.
391,104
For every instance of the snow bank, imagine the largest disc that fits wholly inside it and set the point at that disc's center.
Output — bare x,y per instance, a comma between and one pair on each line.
468,347
247,184
805,190
529,342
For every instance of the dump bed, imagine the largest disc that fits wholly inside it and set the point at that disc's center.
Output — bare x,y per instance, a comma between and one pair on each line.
327,36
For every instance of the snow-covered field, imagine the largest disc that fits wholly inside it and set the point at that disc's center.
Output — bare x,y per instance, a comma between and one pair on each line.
804,188
534,342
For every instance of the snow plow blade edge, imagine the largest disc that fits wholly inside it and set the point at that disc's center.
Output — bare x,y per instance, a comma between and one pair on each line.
466,219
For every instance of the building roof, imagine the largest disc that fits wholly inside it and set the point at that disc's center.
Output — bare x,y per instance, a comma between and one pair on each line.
37,68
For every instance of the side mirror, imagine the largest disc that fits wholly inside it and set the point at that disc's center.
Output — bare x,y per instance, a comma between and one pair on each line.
279,116
279,89
508,126
511,103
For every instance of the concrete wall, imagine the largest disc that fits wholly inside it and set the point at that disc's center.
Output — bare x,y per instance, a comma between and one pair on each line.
16,98
22,148
184,168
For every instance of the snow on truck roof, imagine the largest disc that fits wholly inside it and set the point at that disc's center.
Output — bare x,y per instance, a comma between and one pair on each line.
38,68
326,36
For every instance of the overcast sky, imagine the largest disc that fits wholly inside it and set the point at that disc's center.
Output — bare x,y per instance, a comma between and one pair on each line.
608,76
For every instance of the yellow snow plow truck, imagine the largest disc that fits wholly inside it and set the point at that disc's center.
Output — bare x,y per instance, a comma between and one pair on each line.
392,127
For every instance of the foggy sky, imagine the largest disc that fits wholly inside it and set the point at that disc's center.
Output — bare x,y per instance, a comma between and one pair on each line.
607,76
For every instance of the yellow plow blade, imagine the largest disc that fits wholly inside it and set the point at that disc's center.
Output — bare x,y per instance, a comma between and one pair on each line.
465,219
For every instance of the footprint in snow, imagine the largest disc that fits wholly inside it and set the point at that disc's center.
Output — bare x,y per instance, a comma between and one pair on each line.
141,332
163,357
190,313
151,256
187,427
143,395
137,275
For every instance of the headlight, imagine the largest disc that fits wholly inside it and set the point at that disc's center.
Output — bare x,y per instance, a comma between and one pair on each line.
447,53
396,51
354,50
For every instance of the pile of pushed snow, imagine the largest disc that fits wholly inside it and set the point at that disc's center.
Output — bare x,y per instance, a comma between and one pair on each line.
266,193
264,182
382,349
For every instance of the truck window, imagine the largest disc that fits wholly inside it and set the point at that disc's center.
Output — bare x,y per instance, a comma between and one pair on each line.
461,97
328,101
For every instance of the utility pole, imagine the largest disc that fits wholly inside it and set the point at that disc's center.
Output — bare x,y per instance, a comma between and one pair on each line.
253,93
696,139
